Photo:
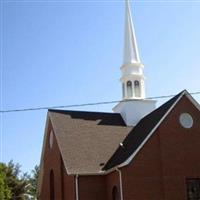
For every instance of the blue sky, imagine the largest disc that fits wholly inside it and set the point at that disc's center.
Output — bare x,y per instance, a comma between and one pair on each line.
70,52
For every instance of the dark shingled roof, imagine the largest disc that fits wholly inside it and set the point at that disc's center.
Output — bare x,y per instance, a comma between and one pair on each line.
138,134
87,139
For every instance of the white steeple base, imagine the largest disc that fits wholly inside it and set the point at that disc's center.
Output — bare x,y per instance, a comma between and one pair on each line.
132,111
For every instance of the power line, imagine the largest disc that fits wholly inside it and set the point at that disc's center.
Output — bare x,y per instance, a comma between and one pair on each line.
84,104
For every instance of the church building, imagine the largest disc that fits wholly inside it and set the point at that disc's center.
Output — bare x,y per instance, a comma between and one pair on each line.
137,152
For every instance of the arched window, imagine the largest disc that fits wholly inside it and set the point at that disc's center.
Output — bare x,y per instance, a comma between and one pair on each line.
129,89
123,90
137,88
52,189
115,193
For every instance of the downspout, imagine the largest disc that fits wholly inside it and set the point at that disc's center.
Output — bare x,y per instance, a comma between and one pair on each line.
77,189
120,183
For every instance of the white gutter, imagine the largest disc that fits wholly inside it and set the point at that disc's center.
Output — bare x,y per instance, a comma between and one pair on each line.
120,183
77,189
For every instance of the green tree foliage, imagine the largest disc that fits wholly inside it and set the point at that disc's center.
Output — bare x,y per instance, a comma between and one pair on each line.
16,182
16,185
5,192
32,180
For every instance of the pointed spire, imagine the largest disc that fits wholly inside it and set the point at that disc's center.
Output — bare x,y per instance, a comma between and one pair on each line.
132,79
131,54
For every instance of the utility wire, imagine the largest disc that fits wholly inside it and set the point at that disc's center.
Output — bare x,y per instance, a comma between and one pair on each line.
84,104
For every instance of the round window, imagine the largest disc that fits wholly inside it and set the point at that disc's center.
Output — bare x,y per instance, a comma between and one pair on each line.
51,139
186,120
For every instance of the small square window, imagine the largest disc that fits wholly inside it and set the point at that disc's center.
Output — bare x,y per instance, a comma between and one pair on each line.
193,188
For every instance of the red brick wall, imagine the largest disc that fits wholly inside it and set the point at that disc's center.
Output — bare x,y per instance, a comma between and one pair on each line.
112,180
180,150
142,179
63,184
69,187
98,187
159,170
92,187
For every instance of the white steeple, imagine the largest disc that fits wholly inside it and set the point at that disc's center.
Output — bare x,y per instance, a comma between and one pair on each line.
134,105
132,69
131,54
